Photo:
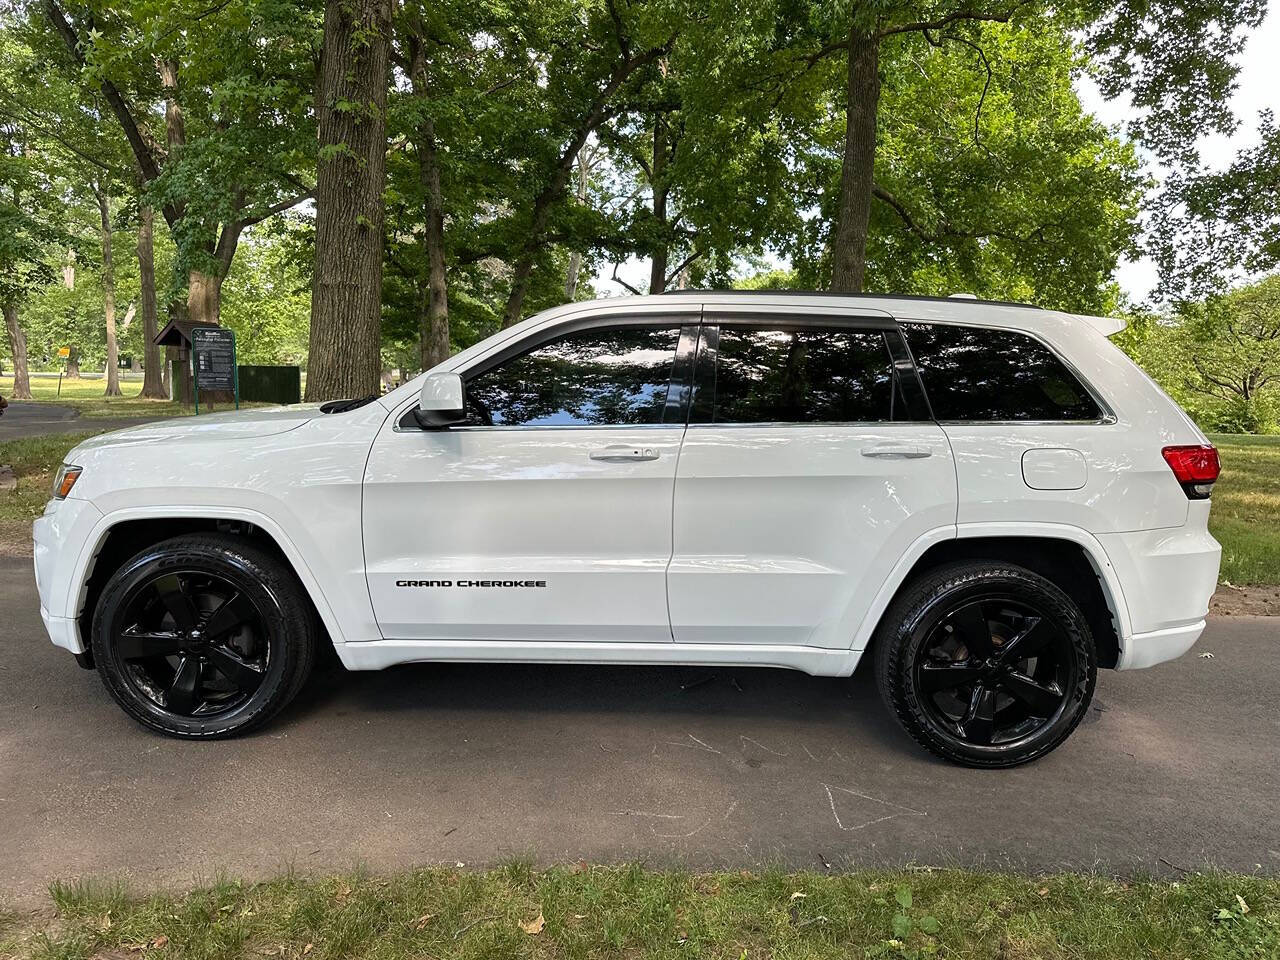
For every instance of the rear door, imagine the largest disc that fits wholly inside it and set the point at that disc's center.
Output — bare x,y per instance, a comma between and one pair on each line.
810,465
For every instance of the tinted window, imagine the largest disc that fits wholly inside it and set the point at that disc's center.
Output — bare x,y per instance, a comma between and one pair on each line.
802,375
976,374
611,376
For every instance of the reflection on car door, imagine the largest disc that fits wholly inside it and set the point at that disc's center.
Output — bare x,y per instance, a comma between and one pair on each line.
548,515
809,467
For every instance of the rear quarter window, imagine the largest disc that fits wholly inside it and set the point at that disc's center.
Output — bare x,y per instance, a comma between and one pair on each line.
977,374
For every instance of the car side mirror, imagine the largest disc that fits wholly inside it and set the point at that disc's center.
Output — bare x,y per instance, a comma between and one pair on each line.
442,402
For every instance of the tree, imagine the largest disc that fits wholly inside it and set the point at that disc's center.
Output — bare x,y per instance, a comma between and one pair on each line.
346,304
31,242
108,292
1233,344
153,385
956,119
1148,49
236,144
1212,228
591,77
267,300
433,50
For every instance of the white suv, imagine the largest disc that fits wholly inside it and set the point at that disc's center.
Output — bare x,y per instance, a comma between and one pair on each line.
990,497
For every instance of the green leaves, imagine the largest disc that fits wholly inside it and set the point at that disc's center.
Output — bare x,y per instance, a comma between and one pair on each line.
912,932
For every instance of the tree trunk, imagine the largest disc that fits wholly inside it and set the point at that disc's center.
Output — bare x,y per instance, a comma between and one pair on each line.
344,358
18,349
435,340
571,276
849,249
658,270
575,258
435,346
204,297
109,296
153,379
73,363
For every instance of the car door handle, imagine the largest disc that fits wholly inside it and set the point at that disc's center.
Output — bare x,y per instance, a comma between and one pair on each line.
623,454
896,453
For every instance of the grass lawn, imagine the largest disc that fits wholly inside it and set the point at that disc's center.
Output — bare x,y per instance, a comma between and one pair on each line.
34,461
1246,508
87,397
630,912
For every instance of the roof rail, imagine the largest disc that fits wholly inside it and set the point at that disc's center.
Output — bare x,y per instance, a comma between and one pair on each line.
857,296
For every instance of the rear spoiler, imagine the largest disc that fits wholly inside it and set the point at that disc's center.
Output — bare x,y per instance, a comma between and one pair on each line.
1104,325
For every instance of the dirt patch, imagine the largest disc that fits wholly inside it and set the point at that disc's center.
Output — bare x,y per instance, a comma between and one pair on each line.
1231,601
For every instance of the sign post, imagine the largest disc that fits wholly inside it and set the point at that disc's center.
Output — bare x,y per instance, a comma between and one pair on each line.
64,353
213,361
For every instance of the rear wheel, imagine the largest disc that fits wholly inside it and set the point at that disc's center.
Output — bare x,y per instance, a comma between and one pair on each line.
203,636
986,664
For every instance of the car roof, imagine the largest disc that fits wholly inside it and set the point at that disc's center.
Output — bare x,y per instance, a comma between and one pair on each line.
960,308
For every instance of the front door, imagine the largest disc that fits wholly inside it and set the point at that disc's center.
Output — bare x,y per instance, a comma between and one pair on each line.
547,517
810,466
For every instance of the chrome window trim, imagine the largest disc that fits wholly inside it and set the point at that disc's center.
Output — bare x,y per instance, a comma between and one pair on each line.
1106,421
780,424
544,426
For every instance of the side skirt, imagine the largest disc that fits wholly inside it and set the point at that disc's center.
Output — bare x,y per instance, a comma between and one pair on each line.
377,654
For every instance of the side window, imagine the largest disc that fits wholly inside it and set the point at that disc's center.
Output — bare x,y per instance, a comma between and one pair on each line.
809,374
611,376
973,373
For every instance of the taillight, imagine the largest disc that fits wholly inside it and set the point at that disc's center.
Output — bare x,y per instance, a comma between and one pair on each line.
1195,466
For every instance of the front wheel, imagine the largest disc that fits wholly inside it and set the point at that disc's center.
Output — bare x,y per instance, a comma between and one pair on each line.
203,636
986,664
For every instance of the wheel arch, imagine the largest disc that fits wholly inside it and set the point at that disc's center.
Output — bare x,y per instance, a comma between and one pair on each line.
1069,557
120,535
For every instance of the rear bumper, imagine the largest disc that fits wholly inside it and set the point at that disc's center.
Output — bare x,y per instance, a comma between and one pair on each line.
1148,649
1168,577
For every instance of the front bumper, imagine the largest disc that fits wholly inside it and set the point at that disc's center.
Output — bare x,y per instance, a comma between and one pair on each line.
63,631
62,540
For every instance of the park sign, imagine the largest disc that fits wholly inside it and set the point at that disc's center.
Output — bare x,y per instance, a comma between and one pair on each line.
213,361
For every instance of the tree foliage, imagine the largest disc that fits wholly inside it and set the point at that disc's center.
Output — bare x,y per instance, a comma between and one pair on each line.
914,146
1219,357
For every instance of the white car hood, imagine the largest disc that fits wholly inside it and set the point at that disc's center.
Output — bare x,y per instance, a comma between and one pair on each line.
233,425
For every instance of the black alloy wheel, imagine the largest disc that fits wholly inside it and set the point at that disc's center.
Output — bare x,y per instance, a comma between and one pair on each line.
203,636
993,670
985,664
192,643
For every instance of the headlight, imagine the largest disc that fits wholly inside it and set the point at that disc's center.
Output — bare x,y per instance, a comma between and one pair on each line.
65,479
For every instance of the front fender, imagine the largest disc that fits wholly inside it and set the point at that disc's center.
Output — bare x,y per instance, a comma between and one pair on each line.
351,618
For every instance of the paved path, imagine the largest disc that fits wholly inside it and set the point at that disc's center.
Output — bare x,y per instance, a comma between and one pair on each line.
35,419
1176,767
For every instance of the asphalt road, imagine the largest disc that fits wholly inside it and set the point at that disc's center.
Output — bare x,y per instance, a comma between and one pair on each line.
33,419
1176,768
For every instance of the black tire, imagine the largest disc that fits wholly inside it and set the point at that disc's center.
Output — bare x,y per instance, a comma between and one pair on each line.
175,667
952,699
